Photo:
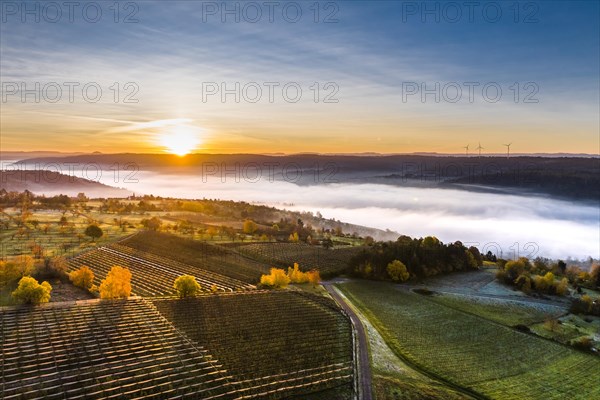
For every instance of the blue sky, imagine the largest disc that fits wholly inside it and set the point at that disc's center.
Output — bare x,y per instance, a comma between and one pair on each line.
370,53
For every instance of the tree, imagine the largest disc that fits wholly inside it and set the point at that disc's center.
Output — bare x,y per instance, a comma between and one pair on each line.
250,227
562,266
153,223
16,268
186,286
31,291
212,232
563,287
94,231
397,271
523,282
58,266
83,277
117,284
314,277
293,237
595,274
297,276
276,279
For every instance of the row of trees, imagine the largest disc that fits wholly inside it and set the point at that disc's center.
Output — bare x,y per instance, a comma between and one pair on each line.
407,257
279,279
543,277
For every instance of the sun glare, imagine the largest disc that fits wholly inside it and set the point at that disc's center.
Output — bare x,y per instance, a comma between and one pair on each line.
180,140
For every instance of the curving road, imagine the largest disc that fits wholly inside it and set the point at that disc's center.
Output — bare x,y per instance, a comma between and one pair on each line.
364,363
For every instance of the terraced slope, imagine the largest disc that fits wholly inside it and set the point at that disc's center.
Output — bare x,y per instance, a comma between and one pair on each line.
151,275
202,255
103,350
274,343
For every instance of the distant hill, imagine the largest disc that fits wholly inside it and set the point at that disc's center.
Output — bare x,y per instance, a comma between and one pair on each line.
53,183
576,178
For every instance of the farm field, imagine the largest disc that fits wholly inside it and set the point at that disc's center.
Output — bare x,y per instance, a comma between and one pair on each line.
152,275
475,353
198,254
211,346
102,349
283,342
506,312
327,261
55,237
394,379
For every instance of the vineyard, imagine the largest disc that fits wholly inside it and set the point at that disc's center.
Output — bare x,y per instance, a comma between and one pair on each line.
271,342
198,254
266,344
475,352
100,349
328,261
152,275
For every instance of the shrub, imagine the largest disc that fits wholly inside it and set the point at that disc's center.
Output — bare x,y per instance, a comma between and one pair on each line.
31,291
83,278
186,286
584,343
582,305
117,284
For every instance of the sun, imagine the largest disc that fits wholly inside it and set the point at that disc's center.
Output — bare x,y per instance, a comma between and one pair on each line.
180,140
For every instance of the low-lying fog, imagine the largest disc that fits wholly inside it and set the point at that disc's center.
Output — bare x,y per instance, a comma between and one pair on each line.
504,223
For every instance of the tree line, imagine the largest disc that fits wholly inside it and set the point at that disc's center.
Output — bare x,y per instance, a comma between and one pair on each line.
419,258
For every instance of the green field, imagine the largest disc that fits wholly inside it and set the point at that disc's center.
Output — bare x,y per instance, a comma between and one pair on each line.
508,313
483,356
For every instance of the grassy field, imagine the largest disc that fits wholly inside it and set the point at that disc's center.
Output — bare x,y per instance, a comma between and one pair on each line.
509,313
395,379
476,353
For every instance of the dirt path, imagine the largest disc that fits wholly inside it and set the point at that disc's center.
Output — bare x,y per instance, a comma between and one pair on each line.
364,363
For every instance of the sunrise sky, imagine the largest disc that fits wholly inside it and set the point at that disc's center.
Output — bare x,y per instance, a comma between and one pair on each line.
174,54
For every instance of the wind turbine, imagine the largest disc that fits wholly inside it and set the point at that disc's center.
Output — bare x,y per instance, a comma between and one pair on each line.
508,150
479,148
467,149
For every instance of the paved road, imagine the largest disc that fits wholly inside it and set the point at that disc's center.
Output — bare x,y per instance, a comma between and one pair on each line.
364,363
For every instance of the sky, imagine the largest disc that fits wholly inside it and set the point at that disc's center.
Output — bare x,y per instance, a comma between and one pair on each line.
329,77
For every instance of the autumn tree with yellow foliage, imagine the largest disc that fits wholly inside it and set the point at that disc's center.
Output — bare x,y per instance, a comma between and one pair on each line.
250,227
186,286
117,284
15,268
314,277
276,279
397,271
297,276
30,291
83,277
